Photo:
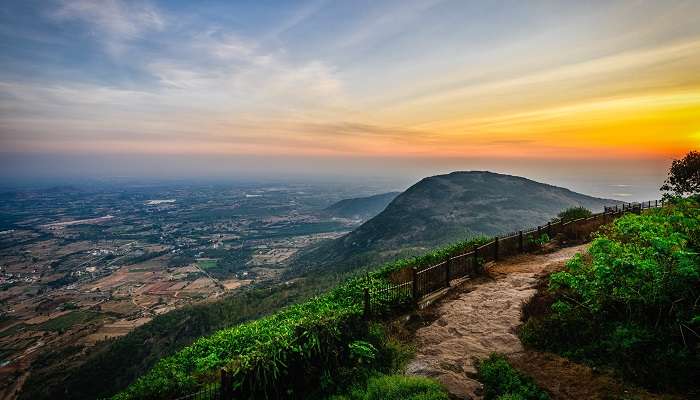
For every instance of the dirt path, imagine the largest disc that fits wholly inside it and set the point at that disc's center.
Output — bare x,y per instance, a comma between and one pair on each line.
480,318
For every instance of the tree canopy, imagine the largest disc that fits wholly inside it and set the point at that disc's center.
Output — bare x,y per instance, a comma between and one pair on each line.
684,175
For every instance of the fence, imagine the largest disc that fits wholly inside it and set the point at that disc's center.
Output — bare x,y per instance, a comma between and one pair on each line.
410,285
219,391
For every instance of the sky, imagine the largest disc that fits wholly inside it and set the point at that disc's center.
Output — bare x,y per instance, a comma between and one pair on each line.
597,95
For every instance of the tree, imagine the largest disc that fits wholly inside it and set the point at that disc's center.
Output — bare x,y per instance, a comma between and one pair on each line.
573,213
684,176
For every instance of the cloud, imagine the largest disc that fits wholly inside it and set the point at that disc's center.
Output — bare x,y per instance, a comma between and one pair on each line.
300,15
115,22
387,22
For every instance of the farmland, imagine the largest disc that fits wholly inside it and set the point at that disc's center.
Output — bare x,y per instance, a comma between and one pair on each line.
80,267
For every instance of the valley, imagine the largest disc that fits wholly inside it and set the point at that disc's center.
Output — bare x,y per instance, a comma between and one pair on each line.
81,267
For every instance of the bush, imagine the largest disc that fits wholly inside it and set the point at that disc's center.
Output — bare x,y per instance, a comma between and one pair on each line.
631,304
539,242
574,213
397,387
503,382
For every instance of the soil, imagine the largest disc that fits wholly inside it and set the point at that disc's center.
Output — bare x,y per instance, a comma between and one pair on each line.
481,317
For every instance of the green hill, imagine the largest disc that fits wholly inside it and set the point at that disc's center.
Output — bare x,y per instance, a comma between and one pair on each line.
445,208
362,207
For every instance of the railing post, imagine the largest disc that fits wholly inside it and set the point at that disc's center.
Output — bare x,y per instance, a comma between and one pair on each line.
225,390
495,248
549,229
414,288
539,231
448,263
367,310
656,203
475,260
521,248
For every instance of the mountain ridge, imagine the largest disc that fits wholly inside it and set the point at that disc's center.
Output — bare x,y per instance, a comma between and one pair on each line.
361,208
444,208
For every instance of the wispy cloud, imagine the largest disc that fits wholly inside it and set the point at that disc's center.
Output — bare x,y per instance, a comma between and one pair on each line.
390,21
114,22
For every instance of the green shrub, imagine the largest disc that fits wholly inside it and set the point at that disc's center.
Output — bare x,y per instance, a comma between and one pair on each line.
632,303
503,382
396,387
540,241
574,213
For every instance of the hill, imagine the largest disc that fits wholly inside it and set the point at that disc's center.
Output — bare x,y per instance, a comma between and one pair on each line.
445,208
362,207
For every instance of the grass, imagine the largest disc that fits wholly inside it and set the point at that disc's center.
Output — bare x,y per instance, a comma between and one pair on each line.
503,382
396,387
206,264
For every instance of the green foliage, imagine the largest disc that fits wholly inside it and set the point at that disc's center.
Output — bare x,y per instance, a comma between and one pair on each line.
433,257
632,303
396,387
539,241
285,355
503,382
574,213
206,264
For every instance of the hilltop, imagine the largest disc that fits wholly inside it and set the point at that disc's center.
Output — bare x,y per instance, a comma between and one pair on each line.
445,208
361,208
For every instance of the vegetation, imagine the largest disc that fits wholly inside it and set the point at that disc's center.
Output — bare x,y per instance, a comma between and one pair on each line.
632,303
684,176
313,345
574,213
538,242
113,365
66,321
503,382
396,387
362,207
433,257
223,263
206,264
301,351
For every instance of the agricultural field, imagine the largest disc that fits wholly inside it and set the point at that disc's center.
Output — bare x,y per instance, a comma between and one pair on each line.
82,267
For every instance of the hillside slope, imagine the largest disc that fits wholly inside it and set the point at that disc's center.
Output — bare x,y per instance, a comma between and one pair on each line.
445,208
362,207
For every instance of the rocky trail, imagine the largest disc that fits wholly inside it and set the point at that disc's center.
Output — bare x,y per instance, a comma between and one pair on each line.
481,317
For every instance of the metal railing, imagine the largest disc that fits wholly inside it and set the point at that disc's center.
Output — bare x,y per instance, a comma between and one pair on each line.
434,278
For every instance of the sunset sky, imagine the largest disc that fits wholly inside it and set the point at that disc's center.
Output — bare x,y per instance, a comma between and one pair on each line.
391,88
